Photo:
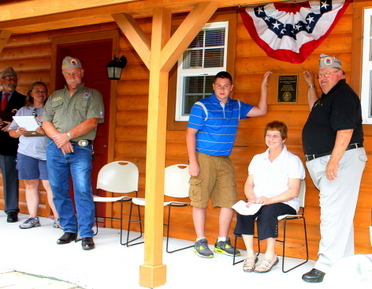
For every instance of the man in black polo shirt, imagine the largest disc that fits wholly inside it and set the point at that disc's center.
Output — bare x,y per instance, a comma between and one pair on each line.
335,158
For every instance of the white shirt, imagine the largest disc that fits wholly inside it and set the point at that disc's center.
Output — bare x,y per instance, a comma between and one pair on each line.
271,178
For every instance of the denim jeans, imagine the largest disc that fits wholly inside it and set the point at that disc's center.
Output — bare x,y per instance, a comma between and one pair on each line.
78,164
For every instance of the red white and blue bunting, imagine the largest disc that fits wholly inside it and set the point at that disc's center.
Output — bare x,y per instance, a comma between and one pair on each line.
290,32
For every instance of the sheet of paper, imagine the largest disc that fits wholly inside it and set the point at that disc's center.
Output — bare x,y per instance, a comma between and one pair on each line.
28,122
241,208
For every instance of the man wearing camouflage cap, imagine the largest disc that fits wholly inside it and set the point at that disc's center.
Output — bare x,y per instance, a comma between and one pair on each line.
70,119
11,101
332,140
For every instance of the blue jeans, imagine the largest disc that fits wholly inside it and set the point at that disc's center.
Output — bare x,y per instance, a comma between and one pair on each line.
79,165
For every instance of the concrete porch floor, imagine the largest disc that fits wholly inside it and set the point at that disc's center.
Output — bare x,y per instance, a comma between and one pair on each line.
111,265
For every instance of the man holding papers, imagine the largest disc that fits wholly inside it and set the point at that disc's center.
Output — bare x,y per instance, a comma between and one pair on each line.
274,179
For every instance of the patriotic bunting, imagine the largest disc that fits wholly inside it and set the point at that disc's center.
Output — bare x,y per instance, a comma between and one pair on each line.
290,32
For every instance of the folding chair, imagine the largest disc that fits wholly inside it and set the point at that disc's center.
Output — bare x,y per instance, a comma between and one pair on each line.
176,185
285,219
119,178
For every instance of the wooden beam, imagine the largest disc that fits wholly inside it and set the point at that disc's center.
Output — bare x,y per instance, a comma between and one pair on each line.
135,35
92,14
187,31
4,37
153,272
35,8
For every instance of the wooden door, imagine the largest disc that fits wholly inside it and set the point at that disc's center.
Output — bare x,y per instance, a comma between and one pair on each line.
94,55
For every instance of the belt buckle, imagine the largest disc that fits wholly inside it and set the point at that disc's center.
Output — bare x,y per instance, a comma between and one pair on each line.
83,142
310,157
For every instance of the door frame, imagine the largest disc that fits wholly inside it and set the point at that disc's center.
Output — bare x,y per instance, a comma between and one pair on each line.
113,34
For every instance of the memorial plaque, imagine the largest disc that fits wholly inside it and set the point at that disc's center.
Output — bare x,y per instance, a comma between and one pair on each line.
287,88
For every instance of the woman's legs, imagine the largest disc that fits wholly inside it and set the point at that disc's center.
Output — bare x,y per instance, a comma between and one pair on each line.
251,258
50,198
32,196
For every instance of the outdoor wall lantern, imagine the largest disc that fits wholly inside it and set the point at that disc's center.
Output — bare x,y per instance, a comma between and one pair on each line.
115,66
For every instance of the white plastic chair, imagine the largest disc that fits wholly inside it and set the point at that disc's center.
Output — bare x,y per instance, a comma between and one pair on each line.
119,178
176,185
285,218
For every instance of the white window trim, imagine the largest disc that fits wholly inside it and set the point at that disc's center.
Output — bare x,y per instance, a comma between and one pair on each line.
366,87
181,73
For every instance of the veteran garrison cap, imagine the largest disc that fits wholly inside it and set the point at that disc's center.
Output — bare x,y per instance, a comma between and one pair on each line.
329,61
7,72
71,62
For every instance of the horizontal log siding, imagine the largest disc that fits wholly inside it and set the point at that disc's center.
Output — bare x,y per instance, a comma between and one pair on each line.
30,56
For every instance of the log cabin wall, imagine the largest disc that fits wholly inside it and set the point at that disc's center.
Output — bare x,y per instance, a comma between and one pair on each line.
31,56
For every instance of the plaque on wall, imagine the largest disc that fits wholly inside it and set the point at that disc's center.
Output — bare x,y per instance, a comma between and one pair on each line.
287,88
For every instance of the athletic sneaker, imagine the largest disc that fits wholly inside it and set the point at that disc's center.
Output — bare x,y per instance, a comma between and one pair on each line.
202,250
57,224
30,223
225,247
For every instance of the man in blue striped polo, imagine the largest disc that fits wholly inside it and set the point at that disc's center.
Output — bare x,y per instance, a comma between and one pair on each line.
210,138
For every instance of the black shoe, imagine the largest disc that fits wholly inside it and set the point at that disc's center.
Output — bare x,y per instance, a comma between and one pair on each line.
12,217
314,276
87,243
66,238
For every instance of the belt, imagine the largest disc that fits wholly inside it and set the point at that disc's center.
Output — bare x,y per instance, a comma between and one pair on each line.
315,156
83,142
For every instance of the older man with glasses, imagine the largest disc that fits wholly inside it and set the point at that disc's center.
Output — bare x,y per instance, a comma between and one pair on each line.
335,158
11,101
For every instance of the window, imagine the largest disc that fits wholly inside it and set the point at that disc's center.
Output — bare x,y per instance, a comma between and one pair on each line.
202,60
366,90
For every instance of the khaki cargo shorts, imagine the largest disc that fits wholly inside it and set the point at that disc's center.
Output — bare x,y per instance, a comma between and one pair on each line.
216,180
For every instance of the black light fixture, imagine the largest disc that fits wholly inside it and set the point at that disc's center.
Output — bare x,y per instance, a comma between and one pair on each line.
115,66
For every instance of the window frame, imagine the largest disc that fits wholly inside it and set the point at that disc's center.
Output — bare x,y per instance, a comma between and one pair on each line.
182,73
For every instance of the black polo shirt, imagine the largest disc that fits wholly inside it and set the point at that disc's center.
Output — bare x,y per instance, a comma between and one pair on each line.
339,109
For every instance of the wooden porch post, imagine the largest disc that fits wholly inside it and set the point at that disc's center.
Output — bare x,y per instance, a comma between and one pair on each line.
153,272
159,58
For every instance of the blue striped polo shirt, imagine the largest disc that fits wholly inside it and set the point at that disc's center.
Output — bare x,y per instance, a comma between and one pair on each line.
217,124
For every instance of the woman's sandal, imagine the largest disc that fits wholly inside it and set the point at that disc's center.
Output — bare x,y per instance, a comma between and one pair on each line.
249,264
266,265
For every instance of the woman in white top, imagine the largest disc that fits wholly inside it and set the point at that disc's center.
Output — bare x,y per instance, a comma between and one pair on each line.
274,179
31,155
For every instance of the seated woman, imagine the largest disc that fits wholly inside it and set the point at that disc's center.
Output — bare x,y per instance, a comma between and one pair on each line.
274,179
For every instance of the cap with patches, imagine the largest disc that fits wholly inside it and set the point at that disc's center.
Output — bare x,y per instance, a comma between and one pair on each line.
7,72
326,61
71,62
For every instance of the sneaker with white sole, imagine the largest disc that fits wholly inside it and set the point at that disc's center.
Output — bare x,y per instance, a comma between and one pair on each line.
225,247
57,224
30,223
202,250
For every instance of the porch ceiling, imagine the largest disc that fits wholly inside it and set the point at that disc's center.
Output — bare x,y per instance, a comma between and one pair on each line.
30,16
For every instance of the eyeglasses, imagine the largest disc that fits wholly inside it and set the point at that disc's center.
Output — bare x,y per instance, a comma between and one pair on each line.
39,91
11,78
326,74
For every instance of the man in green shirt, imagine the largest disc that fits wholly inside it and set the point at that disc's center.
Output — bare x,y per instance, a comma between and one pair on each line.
70,120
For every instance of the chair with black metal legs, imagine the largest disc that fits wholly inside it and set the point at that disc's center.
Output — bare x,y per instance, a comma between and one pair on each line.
117,179
176,185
